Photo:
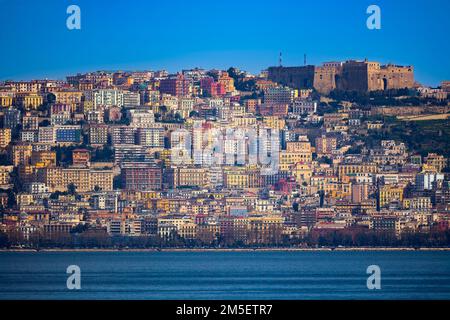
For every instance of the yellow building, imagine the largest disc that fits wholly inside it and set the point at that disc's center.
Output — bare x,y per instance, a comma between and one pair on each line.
265,229
101,179
377,125
418,203
346,169
21,154
6,101
5,177
165,155
436,161
27,173
149,194
287,159
87,106
58,179
68,97
43,158
302,173
274,122
163,205
208,233
244,121
324,183
339,190
85,85
29,101
24,86
298,146
5,137
390,193
385,223
226,81
188,176
24,199
242,178
186,228
330,186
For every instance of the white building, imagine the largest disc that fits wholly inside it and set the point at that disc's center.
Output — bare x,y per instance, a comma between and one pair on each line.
47,135
108,97
131,99
37,187
427,180
141,118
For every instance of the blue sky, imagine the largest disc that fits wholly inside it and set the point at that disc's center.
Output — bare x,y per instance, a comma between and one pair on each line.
180,34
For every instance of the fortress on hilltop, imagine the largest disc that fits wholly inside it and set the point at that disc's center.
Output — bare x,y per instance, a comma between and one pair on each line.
361,76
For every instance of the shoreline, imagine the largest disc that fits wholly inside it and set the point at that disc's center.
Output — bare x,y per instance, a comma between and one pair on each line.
350,249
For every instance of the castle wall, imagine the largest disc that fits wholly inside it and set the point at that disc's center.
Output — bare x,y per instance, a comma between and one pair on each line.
361,76
294,77
354,77
396,77
325,78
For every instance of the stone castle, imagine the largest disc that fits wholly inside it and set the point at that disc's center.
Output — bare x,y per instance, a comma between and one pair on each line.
361,76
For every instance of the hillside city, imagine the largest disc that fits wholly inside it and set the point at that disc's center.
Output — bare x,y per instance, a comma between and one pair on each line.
352,154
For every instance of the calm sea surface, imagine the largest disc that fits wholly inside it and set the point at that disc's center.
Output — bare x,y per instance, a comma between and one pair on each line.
225,275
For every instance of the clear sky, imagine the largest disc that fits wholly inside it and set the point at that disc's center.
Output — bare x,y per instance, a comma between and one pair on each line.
249,34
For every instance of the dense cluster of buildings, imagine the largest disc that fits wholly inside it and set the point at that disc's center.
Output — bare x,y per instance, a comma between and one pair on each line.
188,156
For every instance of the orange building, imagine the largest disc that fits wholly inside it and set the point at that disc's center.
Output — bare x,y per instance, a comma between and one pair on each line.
227,82
81,157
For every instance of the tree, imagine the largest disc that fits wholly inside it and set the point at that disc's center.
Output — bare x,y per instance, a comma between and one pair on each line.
51,98
354,150
234,73
80,228
72,189
44,123
163,109
105,154
193,114
4,242
325,160
11,197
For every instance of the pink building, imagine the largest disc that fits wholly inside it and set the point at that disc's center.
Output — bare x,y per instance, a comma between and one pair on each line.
175,86
61,108
212,88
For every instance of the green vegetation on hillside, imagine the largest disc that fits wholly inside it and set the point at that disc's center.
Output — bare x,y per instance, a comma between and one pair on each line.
419,136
